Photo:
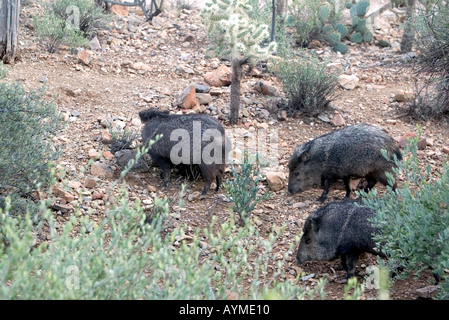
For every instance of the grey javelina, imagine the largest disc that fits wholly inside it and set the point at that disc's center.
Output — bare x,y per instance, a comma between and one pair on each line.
187,140
350,152
339,229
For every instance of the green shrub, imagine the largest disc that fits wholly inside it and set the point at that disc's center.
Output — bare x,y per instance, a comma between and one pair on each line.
3,70
53,32
308,86
28,124
80,14
414,220
243,189
433,60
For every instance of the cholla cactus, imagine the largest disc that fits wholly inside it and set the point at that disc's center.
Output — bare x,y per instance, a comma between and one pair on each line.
237,37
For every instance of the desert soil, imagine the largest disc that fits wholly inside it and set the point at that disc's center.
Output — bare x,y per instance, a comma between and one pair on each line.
145,64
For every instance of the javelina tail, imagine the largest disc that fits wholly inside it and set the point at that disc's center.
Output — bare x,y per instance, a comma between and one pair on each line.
147,115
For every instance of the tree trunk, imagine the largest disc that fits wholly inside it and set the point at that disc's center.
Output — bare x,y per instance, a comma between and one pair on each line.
409,33
9,29
237,70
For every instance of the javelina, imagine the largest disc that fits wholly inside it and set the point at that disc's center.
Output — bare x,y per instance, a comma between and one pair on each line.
339,229
187,140
350,152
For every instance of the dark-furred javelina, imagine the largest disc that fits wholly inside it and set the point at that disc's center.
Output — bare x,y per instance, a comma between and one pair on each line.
339,229
351,152
191,139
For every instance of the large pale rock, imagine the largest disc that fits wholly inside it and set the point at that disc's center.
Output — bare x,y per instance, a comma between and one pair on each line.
403,96
120,10
347,81
102,170
276,180
222,76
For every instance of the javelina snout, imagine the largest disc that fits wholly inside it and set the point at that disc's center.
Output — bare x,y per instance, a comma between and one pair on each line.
339,229
188,140
350,152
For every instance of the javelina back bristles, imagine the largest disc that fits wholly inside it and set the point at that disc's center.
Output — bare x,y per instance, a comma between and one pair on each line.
350,152
192,139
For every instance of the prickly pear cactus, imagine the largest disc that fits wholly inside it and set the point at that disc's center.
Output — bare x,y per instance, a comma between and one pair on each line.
361,32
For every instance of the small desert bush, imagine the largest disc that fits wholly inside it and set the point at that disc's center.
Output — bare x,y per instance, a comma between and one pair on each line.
52,32
432,26
308,86
414,220
27,152
84,15
243,189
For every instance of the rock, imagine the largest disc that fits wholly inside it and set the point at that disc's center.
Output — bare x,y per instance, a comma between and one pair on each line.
90,182
403,96
204,98
264,113
445,150
276,180
136,122
324,118
194,196
215,92
94,154
282,115
222,76
120,10
140,66
428,292
255,73
348,82
338,120
124,156
201,88
314,44
106,137
404,140
43,79
265,89
187,98
102,170
75,113
73,92
64,208
107,155
95,44
96,195
84,57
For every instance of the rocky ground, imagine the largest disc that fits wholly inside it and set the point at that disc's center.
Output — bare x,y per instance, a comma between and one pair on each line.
137,65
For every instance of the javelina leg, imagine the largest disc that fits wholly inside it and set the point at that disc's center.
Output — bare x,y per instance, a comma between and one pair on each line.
347,186
219,179
371,182
166,168
349,262
205,170
327,184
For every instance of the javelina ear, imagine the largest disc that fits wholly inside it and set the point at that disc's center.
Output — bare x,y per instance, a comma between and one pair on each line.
316,223
305,156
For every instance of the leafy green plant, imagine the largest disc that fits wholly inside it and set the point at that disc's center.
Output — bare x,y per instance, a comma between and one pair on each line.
243,189
432,41
361,33
308,86
52,32
3,70
27,153
413,221
83,15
